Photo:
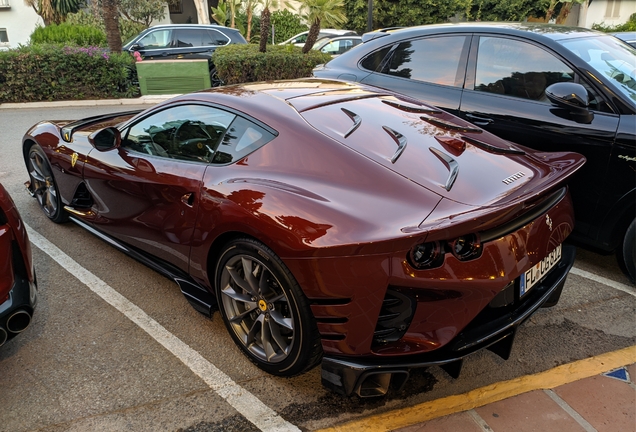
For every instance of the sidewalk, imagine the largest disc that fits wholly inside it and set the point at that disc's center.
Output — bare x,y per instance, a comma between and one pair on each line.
605,402
594,394
143,100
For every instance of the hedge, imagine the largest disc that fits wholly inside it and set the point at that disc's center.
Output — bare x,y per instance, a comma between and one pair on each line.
69,34
52,72
245,63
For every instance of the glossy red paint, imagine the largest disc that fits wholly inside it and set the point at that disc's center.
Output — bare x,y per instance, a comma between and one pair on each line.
14,230
333,205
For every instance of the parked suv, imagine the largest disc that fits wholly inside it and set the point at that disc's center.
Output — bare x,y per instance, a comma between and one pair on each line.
187,41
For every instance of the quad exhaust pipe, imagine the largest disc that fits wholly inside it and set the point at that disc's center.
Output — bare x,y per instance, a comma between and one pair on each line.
18,321
3,336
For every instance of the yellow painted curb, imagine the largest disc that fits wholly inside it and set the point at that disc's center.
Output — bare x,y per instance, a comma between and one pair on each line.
549,379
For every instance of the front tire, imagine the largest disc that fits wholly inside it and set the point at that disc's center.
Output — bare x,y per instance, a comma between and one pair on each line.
629,250
264,309
43,185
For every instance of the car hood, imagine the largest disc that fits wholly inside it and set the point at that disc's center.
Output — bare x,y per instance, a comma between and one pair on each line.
436,150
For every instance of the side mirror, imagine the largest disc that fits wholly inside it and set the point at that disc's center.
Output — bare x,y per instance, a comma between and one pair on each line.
105,139
571,96
134,47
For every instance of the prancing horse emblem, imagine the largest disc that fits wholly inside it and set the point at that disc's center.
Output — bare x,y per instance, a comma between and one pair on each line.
548,222
73,160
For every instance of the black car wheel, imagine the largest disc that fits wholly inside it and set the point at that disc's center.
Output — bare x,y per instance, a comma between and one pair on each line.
215,81
264,309
629,250
43,185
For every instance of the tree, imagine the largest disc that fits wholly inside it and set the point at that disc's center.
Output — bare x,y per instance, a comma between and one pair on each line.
266,20
142,11
202,14
110,13
54,11
331,12
402,13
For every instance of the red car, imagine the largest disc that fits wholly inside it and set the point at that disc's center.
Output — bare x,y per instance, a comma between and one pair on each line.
324,220
18,288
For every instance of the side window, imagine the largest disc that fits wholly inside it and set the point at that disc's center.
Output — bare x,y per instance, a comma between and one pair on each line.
214,38
187,132
156,40
241,139
300,39
188,38
373,61
519,69
434,60
337,47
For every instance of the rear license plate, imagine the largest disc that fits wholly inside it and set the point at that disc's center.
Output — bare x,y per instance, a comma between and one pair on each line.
536,273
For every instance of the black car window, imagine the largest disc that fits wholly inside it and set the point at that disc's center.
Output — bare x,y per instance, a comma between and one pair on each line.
189,38
156,39
434,60
214,38
186,132
374,60
241,139
515,68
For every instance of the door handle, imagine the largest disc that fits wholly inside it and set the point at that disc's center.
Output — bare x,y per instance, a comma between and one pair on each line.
188,199
479,121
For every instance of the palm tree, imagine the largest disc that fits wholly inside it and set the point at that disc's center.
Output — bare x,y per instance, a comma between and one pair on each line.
317,12
266,20
111,23
54,11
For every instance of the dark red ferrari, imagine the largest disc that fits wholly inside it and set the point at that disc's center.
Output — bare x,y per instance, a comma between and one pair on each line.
325,220
18,290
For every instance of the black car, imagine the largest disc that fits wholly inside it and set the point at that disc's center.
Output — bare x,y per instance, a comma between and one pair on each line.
188,41
548,87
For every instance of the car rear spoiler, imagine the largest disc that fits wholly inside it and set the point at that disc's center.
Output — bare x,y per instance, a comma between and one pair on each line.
377,33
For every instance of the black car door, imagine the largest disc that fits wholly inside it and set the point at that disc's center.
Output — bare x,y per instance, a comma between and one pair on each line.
431,69
505,94
156,44
193,43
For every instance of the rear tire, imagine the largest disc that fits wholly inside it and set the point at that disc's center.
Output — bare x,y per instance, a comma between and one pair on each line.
43,185
264,309
628,250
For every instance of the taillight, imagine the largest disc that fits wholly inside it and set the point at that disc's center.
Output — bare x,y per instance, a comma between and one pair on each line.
426,255
466,247
431,254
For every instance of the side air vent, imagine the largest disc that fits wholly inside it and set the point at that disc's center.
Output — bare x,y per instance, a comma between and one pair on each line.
82,197
450,126
410,108
394,318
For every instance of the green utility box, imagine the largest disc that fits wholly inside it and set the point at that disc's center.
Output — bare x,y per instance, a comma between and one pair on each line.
158,77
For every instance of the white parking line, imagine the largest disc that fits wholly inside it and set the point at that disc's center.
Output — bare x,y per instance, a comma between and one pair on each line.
248,405
600,279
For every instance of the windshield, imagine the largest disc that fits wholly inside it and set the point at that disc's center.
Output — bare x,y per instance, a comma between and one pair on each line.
609,57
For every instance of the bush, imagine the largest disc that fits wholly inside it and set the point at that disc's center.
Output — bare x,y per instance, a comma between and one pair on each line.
53,72
286,25
630,25
244,63
69,34
128,29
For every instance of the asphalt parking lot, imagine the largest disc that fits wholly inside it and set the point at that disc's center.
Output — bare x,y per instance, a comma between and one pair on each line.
115,346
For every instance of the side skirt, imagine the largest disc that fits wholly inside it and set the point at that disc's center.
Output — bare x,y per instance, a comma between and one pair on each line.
197,295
